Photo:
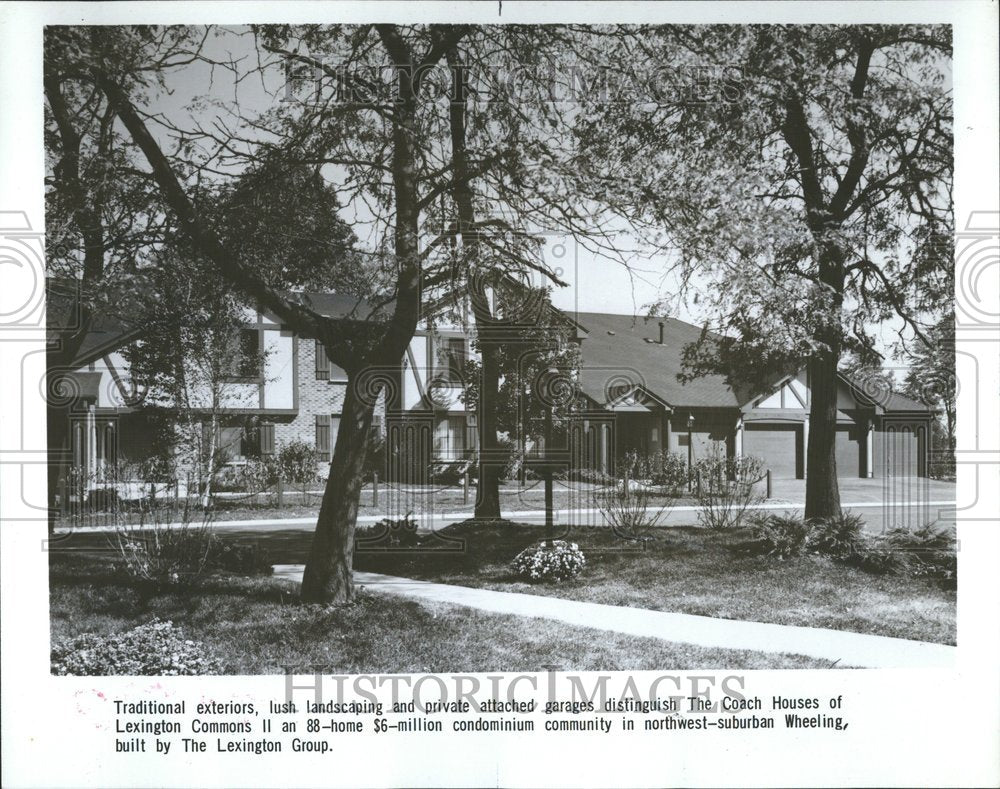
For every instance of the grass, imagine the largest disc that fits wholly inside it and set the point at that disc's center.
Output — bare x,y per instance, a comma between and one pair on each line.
255,626
693,571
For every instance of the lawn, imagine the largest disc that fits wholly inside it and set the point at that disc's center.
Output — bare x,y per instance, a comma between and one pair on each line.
255,626
690,570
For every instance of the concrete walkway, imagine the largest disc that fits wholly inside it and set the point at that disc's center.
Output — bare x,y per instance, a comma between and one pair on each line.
844,648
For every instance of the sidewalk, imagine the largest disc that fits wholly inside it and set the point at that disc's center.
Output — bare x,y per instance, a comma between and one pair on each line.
843,648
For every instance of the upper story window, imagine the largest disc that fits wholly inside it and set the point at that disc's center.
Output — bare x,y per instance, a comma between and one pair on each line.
246,361
451,358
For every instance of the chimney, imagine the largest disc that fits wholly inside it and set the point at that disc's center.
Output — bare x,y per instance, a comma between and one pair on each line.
661,332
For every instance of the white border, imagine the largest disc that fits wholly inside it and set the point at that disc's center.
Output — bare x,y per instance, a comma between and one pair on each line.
912,727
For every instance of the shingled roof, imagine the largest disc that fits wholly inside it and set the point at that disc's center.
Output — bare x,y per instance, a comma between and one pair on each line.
628,347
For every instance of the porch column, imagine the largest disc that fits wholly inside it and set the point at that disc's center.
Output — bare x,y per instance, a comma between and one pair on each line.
91,439
738,443
805,446
666,433
870,448
602,446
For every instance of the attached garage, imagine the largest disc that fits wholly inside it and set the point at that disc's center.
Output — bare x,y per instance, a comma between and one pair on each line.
779,445
901,450
850,449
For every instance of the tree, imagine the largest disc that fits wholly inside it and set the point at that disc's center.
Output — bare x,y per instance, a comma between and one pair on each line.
101,218
802,177
535,358
931,378
384,149
188,360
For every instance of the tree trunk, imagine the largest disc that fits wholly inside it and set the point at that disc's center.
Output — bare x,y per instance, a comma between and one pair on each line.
490,468
490,465
822,490
328,575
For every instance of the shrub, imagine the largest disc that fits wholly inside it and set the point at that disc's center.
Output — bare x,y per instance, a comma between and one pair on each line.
156,553
387,533
779,535
665,470
627,507
878,555
727,488
552,560
929,552
298,462
839,537
153,649
669,471
592,476
239,558
258,474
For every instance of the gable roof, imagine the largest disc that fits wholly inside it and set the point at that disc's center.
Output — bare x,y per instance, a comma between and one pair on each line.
889,401
626,348
627,345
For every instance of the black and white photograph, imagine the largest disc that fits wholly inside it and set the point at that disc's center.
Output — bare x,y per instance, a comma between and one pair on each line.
410,346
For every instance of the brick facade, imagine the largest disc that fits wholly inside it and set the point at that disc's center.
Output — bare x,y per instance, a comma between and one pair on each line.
317,397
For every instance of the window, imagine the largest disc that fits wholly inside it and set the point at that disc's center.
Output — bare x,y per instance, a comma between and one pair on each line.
450,438
257,441
246,363
452,358
229,441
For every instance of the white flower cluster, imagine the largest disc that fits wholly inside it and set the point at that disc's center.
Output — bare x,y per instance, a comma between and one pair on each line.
552,560
155,648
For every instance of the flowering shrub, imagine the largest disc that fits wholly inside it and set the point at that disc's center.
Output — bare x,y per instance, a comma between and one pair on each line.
153,649
553,560
163,555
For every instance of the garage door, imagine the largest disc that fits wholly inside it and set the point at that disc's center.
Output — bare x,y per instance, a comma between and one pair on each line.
779,446
901,457
849,447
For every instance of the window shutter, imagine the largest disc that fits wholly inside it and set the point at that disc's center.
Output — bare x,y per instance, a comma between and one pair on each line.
323,435
322,363
267,439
